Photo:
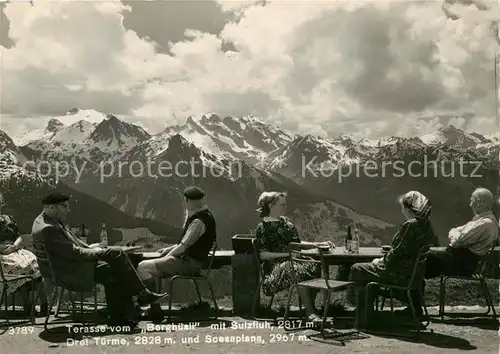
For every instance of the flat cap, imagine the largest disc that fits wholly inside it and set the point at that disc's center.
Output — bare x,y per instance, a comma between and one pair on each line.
193,193
54,198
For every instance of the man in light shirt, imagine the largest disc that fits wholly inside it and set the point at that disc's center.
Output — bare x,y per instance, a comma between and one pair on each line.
469,242
191,253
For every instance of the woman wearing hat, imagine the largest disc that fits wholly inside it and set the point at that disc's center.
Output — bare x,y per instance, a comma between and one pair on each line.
396,267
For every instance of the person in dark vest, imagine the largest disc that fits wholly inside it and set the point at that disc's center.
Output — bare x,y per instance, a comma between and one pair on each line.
189,255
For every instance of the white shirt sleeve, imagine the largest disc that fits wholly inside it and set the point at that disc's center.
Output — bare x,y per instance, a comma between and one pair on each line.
193,233
469,233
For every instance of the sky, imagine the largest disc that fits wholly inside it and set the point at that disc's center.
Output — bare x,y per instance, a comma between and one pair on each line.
365,68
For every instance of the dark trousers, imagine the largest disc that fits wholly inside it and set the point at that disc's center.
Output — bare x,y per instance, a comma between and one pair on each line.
121,283
451,261
343,272
362,274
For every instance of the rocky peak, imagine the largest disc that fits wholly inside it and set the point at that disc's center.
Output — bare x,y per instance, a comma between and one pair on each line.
54,125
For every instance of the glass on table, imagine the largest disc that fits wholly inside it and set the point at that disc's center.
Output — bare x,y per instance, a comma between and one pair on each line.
348,246
355,247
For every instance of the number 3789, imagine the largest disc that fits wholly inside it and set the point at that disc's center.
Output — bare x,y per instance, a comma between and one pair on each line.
21,330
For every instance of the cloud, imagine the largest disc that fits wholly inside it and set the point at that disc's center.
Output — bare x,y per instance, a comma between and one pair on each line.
69,54
337,67
167,21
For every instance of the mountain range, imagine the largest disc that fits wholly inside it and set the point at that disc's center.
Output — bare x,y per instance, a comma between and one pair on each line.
234,159
23,187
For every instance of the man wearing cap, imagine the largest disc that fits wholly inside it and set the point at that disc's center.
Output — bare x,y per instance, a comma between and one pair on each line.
189,255
78,266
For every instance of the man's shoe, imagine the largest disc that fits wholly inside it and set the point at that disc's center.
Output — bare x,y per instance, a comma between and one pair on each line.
155,313
148,297
407,312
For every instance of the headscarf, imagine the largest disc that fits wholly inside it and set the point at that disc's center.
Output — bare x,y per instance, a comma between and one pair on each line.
418,204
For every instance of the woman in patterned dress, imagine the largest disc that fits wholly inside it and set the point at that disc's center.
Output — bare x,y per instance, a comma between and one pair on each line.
15,260
276,232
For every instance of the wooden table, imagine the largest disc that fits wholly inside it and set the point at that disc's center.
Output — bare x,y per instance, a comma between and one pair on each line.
366,254
246,274
496,249
338,256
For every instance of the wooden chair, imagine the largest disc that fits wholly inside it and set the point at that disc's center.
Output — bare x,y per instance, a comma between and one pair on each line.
5,280
54,289
327,286
414,284
479,275
195,279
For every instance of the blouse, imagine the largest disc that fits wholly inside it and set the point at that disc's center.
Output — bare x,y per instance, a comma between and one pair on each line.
276,234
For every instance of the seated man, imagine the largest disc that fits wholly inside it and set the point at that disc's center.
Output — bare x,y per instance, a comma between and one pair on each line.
188,256
469,242
74,263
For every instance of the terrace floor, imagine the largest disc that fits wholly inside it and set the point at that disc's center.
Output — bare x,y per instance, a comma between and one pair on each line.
201,336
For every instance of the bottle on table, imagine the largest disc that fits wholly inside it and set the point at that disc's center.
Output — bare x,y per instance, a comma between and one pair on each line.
104,236
348,239
355,241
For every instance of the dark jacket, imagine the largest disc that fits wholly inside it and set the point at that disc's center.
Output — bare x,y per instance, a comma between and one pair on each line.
398,263
73,263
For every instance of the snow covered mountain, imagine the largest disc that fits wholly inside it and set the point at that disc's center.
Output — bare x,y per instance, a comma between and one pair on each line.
23,187
318,154
86,143
379,142
96,137
247,138
12,162
99,138
59,123
369,177
235,159
232,189
208,151
452,136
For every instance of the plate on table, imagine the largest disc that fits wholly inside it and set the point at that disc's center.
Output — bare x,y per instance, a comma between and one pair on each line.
315,251
324,248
